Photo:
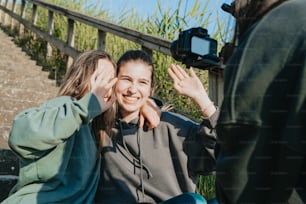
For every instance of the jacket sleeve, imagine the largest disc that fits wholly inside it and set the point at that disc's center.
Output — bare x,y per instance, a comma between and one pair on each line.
200,147
43,128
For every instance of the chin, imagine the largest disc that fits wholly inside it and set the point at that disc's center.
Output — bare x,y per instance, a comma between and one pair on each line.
131,109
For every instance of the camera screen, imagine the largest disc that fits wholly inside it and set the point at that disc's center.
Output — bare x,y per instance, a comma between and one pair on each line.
200,46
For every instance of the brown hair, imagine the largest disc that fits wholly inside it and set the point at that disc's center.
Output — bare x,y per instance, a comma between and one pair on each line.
76,84
252,11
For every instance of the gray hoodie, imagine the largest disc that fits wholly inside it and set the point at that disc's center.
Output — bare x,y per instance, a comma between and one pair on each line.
140,165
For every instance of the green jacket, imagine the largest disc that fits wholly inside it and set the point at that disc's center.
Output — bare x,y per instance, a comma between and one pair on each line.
57,152
262,124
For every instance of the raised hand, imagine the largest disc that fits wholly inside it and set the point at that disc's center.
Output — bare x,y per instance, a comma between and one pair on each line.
191,86
184,84
102,82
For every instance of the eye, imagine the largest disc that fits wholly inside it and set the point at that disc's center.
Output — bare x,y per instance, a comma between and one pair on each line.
124,78
144,82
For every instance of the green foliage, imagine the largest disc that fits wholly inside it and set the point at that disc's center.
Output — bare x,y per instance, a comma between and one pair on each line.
206,187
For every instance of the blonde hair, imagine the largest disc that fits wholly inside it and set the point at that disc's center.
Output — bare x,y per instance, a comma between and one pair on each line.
76,84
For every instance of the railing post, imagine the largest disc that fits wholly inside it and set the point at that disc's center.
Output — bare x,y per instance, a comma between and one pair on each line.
50,32
4,15
101,45
1,12
34,18
14,11
70,40
7,16
215,85
147,50
22,15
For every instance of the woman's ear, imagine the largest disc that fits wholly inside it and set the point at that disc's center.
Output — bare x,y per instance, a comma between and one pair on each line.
153,88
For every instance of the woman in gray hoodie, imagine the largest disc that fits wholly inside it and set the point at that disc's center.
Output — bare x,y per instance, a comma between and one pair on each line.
143,165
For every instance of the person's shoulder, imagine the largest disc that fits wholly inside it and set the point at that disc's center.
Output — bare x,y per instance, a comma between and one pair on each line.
285,23
170,117
58,101
295,3
288,9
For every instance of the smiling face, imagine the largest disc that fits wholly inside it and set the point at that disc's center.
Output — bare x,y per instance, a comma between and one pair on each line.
133,87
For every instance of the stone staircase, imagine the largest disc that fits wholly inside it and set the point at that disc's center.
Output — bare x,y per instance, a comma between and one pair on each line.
23,84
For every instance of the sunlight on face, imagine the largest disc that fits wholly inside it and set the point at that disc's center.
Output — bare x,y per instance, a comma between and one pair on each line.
106,66
133,88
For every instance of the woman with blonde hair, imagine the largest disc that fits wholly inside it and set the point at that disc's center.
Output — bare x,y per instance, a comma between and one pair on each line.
143,165
58,143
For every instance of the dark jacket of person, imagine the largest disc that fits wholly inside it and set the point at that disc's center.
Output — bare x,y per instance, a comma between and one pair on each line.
262,124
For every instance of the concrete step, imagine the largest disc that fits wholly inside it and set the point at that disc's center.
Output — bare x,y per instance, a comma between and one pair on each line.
23,84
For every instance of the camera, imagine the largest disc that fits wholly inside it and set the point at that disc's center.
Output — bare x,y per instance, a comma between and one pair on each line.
195,48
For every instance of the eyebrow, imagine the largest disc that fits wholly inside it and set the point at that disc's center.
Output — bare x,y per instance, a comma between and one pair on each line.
142,79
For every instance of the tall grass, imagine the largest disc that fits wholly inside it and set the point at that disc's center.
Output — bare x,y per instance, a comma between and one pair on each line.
165,23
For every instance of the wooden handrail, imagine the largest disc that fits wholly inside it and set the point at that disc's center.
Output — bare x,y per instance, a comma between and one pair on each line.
148,41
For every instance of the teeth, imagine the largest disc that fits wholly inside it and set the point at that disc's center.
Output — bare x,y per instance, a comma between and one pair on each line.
132,99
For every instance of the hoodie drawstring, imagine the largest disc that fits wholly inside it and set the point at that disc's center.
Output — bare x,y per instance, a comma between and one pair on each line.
139,161
141,164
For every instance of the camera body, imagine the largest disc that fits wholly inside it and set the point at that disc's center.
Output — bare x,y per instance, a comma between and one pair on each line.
195,48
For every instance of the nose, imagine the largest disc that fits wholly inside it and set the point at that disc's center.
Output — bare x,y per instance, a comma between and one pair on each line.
132,89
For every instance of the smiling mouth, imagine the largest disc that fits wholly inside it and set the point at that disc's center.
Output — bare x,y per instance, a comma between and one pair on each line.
130,99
